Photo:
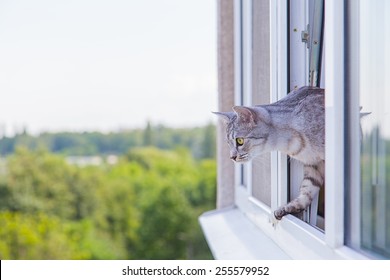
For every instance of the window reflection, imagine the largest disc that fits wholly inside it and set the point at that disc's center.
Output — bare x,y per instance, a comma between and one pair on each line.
374,88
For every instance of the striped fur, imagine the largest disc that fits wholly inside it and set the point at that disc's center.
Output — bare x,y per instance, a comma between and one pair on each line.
295,125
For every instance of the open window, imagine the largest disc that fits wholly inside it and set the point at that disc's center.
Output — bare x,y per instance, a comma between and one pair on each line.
277,47
294,59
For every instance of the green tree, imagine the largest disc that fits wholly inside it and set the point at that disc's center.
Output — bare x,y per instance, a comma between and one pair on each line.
144,207
42,182
166,221
148,135
173,190
26,236
209,141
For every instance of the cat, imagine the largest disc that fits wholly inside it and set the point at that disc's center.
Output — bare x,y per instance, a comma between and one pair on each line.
294,125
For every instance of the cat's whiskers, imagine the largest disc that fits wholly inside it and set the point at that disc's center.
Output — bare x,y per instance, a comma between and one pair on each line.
259,162
243,157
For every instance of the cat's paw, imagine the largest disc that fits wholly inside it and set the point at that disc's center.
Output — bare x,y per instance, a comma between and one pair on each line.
291,208
279,213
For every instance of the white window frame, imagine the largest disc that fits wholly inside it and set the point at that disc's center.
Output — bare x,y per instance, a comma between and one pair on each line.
298,239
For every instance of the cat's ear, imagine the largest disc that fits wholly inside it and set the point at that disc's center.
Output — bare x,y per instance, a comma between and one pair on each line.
251,115
245,114
225,116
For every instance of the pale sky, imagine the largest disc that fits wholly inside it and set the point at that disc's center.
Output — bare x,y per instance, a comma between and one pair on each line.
106,64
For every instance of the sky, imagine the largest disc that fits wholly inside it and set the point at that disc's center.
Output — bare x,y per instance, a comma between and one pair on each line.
84,65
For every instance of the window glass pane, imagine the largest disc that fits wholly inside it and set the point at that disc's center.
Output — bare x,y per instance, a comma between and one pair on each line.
374,90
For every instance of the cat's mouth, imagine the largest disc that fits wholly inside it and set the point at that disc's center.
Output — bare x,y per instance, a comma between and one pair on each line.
242,158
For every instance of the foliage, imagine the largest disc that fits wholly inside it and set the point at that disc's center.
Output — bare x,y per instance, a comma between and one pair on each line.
200,141
209,144
25,236
41,182
144,207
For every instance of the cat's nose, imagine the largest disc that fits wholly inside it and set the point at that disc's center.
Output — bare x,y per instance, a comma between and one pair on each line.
233,158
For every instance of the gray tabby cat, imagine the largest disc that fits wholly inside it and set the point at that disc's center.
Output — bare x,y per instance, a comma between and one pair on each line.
294,125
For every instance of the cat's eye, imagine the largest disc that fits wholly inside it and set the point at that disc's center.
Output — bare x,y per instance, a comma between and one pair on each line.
240,141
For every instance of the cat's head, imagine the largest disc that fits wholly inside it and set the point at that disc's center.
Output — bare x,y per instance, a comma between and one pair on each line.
247,132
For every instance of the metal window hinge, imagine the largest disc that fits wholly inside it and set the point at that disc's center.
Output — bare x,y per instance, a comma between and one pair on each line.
305,36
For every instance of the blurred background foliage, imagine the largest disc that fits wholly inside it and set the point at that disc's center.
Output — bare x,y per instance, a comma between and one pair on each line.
200,141
145,205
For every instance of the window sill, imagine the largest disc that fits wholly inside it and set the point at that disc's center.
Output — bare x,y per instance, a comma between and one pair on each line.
231,235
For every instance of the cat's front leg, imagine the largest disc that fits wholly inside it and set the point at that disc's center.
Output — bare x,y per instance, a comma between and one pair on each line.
312,181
